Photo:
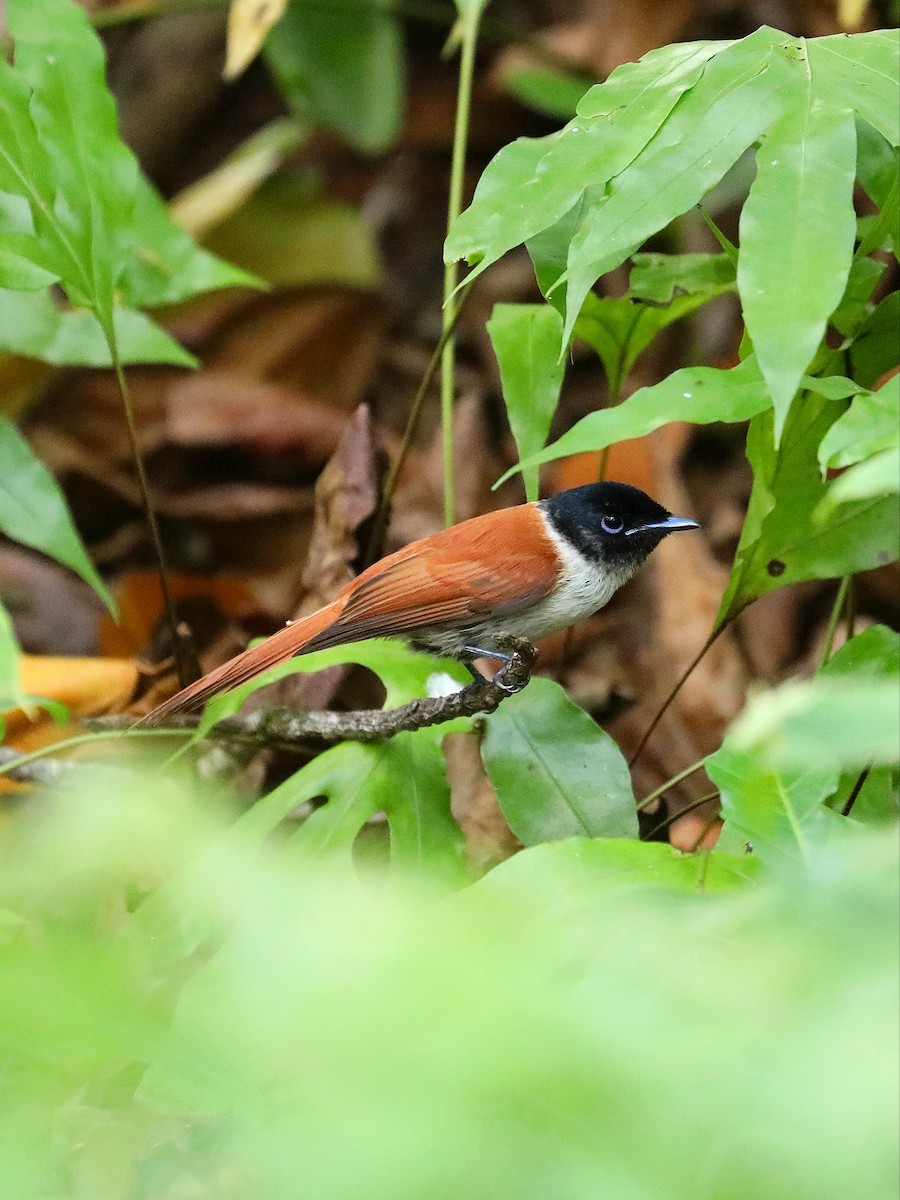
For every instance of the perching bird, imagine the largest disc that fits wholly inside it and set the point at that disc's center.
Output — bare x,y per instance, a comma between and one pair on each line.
520,572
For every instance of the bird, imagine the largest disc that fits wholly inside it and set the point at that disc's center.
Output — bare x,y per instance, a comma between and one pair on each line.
516,573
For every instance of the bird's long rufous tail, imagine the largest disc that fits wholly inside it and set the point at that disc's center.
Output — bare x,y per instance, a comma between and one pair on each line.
293,639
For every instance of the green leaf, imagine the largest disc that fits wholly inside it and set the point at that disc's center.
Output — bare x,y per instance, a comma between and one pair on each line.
294,236
556,773
22,273
410,787
10,687
697,394
341,67
34,512
874,349
783,540
404,778
797,227
862,72
740,93
675,285
75,119
872,654
526,341
644,84
661,277
31,324
877,476
91,220
533,183
166,265
856,302
870,425
567,874
781,813
831,722
621,329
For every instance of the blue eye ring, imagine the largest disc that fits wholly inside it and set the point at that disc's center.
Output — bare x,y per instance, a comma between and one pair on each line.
611,523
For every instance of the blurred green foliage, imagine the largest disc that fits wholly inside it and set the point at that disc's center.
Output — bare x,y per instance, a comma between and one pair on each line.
183,1014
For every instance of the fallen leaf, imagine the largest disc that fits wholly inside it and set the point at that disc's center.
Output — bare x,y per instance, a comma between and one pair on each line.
248,23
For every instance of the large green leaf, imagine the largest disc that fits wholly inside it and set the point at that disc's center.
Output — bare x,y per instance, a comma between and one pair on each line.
526,340
532,183
783,758
342,66
556,773
784,540
797,232
697,394
567,873
32,324
33,511
780,812
17,271
740,93
861,72
832,722
93,222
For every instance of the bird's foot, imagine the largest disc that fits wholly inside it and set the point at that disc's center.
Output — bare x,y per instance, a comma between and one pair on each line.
517,655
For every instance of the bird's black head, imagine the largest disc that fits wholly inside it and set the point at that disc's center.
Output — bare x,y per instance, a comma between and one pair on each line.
612,523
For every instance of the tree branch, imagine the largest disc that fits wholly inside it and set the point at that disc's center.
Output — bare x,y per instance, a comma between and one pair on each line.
286,729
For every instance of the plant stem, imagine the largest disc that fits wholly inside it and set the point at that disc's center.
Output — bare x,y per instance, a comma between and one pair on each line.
379,525
674,692
451,270
854,794
673,817
837,608
670,783
85,739
183,663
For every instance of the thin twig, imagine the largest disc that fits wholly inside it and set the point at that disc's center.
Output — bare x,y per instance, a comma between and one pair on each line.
379,524
286,729
837,608
181,648
670,783
854,794
645,837
47,771
469,40
674,692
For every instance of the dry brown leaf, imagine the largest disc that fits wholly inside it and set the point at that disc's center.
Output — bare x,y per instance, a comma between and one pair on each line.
87,687
248,23
474,803
212,408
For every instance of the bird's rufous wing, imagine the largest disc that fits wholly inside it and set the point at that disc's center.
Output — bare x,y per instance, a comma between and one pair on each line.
497,564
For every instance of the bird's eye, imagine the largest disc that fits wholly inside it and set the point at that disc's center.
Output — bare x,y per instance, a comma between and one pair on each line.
611,524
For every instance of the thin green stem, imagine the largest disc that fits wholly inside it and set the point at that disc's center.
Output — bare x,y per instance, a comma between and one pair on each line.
451,270
379,525
670,783
86,739
182,658
675,690
673,817
837,608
